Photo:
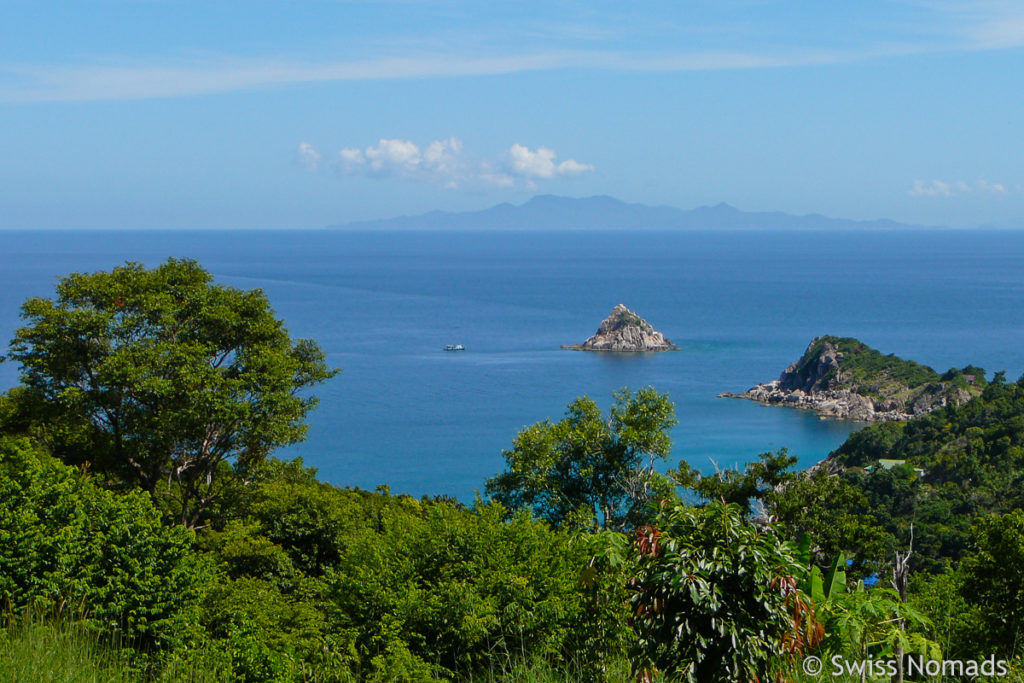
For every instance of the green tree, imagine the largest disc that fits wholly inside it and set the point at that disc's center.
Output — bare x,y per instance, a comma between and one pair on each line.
868,445
954,624
758,480
715,597
830,512
994,581
587,469
164,380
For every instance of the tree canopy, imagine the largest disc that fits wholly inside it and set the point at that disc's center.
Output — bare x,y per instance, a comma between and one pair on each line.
162,379
586,469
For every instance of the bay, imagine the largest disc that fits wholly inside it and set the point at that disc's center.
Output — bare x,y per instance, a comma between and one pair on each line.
741,305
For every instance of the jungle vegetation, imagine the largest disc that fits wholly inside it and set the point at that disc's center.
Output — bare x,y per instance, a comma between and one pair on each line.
148,532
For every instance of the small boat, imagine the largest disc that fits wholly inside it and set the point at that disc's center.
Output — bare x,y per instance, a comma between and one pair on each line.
455,347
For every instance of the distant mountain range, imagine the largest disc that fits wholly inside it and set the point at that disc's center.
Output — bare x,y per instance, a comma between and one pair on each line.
548,212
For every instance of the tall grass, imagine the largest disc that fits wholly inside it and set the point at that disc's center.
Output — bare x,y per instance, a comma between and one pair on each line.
34,648
42,646
539,670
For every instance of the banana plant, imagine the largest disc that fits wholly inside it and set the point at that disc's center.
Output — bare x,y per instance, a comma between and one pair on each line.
861,622
821,588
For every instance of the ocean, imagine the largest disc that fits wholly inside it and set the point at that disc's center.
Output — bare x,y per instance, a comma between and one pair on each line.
741,306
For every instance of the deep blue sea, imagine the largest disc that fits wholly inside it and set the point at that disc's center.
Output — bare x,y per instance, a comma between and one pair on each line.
741,305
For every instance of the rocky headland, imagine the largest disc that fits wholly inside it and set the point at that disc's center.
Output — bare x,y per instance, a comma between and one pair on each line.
624,331
843,378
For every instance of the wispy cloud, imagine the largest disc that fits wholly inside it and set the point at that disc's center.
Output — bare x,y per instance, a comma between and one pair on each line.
1004,33
308,157
941,188
598,41
133,80
983,24
447,164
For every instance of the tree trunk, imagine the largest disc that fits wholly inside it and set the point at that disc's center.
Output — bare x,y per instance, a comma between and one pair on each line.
900,578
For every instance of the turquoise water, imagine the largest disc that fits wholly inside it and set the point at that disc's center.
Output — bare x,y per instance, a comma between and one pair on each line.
741,305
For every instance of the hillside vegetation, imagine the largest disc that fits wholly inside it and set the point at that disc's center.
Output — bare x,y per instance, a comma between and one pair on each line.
589,564
863,366
955,465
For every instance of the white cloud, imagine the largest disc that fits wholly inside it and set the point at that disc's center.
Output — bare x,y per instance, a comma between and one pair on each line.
393,156
523,162
350,160
573,167
991,188
984,24
594,41
444,156
941,188
446,163
497,179
994,35
539,164
935,188
308,157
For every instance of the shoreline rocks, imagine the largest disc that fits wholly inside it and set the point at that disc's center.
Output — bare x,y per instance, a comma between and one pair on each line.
623,331
830,380
839,405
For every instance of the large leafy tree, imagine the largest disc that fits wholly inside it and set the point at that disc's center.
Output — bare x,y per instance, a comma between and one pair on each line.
586,469
162,379
716,598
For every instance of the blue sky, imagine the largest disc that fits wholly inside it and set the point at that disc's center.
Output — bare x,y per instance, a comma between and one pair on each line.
160,114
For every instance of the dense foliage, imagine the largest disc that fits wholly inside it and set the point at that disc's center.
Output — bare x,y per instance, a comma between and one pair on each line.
67,544
758,481
993,582
945,470
714,597
160,378
166,394
587,470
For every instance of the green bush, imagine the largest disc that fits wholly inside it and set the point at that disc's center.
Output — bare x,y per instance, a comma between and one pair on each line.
66,543
307,518
271,635
715,596
458,589
319,581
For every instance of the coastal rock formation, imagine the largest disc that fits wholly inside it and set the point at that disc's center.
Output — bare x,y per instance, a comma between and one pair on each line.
625,331
840,377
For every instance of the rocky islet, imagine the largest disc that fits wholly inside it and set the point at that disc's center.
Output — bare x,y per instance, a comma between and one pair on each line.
626,332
